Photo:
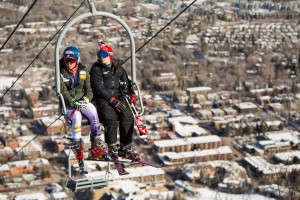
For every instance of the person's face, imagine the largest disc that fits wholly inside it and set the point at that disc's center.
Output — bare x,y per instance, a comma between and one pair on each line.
104,57
105,60
70,62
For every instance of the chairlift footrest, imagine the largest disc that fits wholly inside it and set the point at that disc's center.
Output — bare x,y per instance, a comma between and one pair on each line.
85,183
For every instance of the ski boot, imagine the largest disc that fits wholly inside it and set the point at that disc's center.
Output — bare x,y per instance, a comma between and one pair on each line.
113,151
98,148
126,151
78,151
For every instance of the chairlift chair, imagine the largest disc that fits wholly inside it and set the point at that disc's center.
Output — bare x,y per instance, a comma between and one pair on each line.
90,183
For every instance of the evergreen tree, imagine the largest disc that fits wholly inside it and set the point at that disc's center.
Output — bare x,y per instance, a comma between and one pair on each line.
43,174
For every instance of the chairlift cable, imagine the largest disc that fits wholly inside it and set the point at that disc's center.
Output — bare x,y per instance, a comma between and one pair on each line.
40,52
163,28
18,24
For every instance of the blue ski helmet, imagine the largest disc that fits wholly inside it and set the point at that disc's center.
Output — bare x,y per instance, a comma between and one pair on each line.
72,52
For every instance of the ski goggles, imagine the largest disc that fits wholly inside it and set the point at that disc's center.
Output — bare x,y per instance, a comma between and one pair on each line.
103,54
70,60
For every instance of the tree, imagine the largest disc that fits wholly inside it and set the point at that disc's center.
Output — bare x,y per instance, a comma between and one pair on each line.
43,174
2,180
263,127
178,196
47,173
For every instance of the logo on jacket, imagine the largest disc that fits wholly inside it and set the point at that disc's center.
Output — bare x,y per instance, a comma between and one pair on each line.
82,75
64,79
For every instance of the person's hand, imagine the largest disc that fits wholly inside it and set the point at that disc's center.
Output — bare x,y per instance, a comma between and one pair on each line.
85,99
133,98
117,104
79,105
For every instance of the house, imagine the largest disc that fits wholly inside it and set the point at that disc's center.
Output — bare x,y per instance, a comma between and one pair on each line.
187,144
173,158
192,91
44,111
246,107
146,174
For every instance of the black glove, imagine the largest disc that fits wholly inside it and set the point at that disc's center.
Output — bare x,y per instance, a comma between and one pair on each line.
117,104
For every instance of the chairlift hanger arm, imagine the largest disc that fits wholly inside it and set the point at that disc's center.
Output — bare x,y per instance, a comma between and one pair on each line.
93,12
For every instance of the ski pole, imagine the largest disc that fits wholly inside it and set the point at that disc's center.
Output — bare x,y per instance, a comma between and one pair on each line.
68,119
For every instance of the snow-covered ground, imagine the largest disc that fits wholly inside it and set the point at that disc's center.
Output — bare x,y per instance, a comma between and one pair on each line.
208,194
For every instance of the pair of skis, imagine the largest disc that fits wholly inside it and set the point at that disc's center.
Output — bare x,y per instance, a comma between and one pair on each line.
137,118
120,164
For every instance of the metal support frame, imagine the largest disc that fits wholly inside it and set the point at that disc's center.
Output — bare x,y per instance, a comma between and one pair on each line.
88,183
93,12
84,183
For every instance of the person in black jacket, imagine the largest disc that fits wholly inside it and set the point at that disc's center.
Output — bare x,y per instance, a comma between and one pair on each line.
106,74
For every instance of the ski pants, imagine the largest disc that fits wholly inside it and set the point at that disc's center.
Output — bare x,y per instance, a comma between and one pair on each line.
91,114
111,119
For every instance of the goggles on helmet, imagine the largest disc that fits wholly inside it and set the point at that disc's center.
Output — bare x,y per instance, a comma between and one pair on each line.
102,54
70,60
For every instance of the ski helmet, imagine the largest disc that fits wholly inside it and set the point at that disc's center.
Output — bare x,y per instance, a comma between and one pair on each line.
107,49
72,52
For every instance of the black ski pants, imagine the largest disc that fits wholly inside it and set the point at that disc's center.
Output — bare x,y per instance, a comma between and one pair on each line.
110,118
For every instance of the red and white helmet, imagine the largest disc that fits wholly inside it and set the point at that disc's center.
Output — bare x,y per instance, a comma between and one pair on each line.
109,50
106,48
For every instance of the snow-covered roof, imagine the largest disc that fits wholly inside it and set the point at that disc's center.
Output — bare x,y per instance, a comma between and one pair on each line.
189,140
189,154
133,172
189,130
285,135
183,119
30,196
198,89
6,82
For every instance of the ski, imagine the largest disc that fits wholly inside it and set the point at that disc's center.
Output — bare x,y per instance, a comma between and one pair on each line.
107,160
146,162
139,123
137,118
120,166
143,162
121,169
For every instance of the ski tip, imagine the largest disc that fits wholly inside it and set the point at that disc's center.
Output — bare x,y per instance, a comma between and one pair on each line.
124,173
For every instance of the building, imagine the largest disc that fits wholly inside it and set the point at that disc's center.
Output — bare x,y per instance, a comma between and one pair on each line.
187,144
147,175
197,90
246,107
173,158
268,171
43,111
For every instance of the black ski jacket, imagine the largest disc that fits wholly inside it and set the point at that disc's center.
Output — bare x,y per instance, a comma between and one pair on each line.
105,81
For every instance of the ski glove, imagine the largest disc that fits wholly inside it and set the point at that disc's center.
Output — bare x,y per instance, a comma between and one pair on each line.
79,105
85,99
133,98
117,104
